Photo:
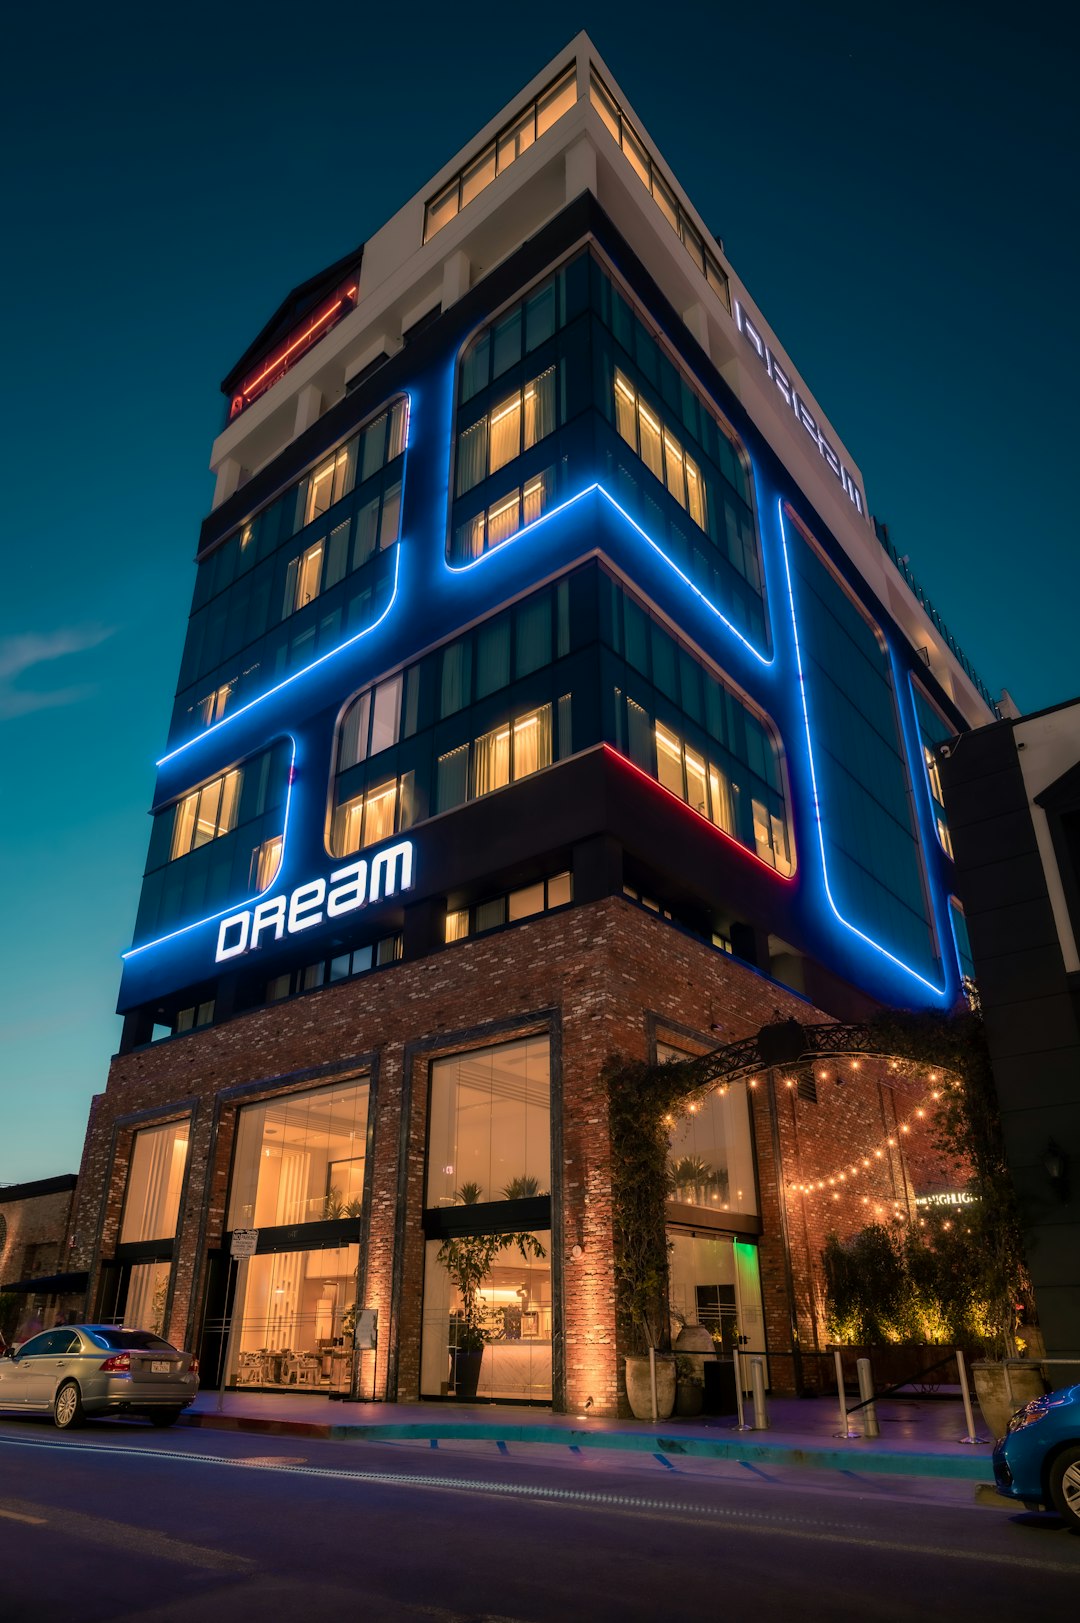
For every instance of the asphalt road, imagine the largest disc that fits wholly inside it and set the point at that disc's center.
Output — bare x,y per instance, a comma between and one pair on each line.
122,1523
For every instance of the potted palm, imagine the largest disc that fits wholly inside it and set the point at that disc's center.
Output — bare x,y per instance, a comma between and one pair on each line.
468,1259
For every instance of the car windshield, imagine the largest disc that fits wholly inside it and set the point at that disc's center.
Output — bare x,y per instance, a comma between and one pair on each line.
131,1341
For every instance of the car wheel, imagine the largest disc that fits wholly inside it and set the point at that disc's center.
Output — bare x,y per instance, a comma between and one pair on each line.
163,1417
1065,1486
67,1407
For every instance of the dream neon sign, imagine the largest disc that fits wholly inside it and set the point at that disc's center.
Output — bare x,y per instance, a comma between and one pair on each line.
348,889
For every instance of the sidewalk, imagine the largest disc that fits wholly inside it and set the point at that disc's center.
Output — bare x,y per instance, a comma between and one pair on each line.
918,1438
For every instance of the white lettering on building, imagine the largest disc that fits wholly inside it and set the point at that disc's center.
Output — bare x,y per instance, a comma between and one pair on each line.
801,411
347,890
950,1197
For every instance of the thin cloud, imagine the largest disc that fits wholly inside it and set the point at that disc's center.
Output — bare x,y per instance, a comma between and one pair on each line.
28,651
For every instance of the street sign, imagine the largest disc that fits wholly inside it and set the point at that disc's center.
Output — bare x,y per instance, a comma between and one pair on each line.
367,1326
244,1242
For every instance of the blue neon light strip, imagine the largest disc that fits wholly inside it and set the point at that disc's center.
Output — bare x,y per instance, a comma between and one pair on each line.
348,643
571,501
938,991
295,677
133,952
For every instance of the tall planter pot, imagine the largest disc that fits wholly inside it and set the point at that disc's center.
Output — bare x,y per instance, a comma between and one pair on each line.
1004,1385
639,1387
466,1363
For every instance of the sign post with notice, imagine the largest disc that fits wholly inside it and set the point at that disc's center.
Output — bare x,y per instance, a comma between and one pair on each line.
244,1244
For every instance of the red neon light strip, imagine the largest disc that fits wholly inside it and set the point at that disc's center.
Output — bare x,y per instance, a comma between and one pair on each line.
623,760
304,336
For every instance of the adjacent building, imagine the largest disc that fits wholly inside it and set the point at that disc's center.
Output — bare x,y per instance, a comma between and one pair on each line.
37,1285
549,692
1013,795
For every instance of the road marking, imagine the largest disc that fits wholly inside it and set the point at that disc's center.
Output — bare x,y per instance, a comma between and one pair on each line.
806,1528
132,1538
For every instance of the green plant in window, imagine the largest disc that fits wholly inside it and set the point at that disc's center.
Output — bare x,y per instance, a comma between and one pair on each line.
468,1260
696,1181
333,1206
523,1188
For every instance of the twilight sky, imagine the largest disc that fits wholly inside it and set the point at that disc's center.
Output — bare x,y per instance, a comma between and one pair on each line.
896,185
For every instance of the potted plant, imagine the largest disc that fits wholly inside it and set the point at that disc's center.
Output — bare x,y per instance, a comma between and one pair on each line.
467,1260
689,1386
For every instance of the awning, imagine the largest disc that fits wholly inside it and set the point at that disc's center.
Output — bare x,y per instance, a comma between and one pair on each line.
50,1285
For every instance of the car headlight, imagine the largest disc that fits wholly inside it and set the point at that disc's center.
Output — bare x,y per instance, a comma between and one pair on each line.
1035,1410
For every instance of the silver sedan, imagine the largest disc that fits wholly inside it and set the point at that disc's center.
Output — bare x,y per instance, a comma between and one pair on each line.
92,1369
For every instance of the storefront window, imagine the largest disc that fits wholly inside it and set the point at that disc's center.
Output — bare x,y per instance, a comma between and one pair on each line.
710,1162
490,1131
156,1177
293,1319
715,1281
300,1158
147,1293
514,1362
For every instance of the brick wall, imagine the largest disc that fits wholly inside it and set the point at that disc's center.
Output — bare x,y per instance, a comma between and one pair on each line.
596,977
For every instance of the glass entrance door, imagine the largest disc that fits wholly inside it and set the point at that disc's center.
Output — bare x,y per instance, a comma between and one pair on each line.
715,1281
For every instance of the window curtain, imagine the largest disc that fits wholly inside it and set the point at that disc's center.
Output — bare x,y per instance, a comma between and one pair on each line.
472,456
540,407
491,761
532,741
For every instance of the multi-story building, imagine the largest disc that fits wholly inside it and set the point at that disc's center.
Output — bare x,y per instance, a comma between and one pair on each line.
549,693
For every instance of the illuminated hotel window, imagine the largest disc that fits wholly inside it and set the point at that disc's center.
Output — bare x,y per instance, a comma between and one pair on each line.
963,949
265,862
197,1014
623,132
933,731
349,509
679,722
504,518
515,750
155,1179
659,449
515,905
499,154
514,424
385,808
341,967
207,851
213,706
206,814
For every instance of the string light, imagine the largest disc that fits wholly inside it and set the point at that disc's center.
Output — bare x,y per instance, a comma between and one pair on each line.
828,1182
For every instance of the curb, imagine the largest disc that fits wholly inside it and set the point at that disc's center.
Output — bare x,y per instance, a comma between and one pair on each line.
964,1468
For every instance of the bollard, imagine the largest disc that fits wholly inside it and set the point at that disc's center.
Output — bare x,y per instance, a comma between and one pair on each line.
966,1395
845,1428
866,1397
757,1386
742,1426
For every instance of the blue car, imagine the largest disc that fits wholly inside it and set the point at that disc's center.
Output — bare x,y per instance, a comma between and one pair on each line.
1038,1459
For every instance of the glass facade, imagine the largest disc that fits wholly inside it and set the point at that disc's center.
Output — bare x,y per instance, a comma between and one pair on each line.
623,132
710,1159
872,854
489,1129
573,382
933,730
487,1317
217,844
516,1312
292,1319
509,145
155,1180
147,1296
311,568
300,1158
520,692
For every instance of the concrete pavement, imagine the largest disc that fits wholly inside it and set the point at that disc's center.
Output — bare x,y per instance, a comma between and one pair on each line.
919,1437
